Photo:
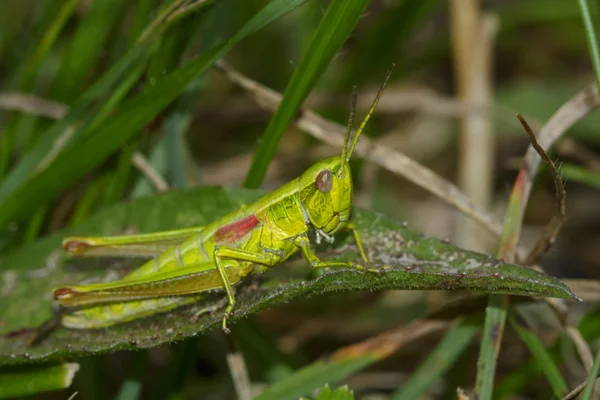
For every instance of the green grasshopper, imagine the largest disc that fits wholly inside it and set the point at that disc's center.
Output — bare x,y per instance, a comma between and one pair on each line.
190,261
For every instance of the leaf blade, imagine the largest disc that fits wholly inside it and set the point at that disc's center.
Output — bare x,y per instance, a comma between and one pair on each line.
418,263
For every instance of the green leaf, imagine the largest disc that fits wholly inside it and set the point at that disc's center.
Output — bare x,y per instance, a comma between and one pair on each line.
412,262
495,319
336,25
28,380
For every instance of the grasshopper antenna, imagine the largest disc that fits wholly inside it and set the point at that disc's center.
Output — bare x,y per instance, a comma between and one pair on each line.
348,129
348,153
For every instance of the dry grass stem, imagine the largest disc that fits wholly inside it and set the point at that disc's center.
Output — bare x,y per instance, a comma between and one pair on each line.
32,105
144,166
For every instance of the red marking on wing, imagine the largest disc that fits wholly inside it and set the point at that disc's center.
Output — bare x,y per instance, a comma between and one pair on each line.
235,231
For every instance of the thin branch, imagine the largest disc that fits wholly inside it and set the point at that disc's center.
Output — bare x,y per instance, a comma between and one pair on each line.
551,232
142,164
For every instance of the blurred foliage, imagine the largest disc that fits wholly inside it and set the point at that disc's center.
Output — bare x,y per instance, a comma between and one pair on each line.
119,79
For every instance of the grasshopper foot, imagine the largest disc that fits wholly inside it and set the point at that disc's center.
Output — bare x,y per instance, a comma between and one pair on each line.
224,327
228,314
377,271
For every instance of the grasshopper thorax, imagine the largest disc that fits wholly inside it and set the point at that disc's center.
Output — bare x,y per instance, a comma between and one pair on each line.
326,194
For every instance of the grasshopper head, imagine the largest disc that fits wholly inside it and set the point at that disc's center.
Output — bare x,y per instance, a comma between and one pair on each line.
326,187
326,194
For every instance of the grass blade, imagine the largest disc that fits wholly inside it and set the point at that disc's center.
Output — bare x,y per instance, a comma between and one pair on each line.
336,25
126,123
590,34
438,361
32,380
580,174
544,361
591,380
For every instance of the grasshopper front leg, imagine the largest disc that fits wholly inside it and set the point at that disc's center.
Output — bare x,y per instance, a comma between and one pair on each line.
303,242
357,238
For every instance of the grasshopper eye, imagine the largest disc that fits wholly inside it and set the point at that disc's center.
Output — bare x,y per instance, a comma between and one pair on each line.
324,181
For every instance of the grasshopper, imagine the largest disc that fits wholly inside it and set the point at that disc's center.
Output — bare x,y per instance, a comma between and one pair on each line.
188,262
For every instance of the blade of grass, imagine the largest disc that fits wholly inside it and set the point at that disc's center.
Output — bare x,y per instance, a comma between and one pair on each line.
130,390
92,100
132,386
591,380
439,360
335,27
590,34
82,52
104,87
130,118
581,175
544,360
493,330
498,304
143,12
77,62
27,77
32,380
179,119
347,361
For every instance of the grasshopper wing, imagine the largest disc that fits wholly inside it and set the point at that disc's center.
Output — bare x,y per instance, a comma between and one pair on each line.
189,279
142,245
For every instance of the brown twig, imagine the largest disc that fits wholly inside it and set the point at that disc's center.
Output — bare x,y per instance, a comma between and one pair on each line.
32,105
568,114
551,231
575,392
144,166
587,289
